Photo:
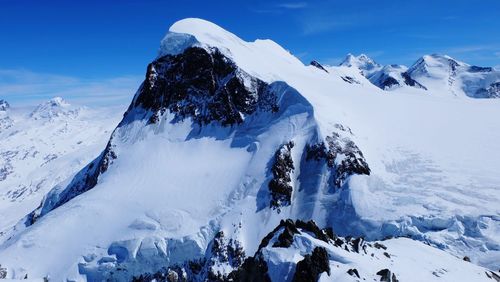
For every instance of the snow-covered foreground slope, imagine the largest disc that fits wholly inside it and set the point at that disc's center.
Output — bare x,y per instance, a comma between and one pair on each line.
43,146
226,138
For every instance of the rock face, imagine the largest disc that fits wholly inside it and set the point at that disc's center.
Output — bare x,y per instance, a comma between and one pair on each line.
224,259
4,105
412,82
312,266
5,121
340,154
279,186
282,237
202,85
387,276
288,237
492,91
318,65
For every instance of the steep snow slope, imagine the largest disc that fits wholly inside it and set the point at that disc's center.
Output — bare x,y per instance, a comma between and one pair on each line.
233,136
43,146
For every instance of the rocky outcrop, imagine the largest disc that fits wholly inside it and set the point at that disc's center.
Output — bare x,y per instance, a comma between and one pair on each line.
492,91
349,79
387,276
340,154
387,81
412,82
312,266
203,85
353,272
224,260
475,69
224,252
4,105
279,186
318,65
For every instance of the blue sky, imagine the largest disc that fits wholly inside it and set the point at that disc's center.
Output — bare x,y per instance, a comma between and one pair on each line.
98,50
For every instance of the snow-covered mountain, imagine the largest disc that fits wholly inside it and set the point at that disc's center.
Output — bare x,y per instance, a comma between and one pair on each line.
362,62
446,75
439,75
43,146
236,161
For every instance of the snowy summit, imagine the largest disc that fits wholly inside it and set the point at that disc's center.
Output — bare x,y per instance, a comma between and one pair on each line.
236,162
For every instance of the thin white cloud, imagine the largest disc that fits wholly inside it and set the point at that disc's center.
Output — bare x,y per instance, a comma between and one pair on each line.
292,5
24,87
320,25
279,8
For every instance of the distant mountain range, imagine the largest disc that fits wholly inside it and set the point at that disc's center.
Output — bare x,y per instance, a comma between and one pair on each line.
436,74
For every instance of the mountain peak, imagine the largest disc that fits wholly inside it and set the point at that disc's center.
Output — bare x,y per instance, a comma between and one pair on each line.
362,62
54,107
441,59
435,65
57,102
4,105
195,32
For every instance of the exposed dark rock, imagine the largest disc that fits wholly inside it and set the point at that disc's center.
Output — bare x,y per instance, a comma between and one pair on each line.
349,79
202,85
285,239
480,69
283,223
252,270
310,226
224,251
387,276
412,82
493,275
466,258
229,251
310,268
386,81
318,65
279,186
493,91
351,162
338,242
4,105
221,252
353,272
379,246
290,228
356,244
3,272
